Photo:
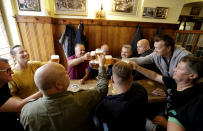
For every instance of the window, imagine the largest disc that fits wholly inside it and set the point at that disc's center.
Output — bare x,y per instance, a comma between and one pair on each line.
4,43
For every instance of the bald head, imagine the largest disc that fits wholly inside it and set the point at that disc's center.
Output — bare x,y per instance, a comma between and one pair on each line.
142,46
51,75
105,49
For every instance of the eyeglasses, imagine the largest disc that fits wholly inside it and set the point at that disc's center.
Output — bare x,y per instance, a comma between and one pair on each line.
6,70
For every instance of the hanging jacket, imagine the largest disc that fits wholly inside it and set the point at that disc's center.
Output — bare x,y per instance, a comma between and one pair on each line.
67,40
81,38
138,36
158,32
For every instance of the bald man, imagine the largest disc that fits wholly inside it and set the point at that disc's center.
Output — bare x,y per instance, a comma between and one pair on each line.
105,49
143,47
59,109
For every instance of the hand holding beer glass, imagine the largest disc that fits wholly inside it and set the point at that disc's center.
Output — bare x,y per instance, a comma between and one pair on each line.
94,63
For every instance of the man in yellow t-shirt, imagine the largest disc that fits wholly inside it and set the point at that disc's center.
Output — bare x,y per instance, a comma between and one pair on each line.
23,84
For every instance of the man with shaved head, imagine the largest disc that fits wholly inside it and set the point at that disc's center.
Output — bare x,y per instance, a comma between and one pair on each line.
143,47
105,49
60,109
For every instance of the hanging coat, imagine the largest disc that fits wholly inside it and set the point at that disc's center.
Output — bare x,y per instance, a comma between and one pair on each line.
158,32
81,38
138,36
67,40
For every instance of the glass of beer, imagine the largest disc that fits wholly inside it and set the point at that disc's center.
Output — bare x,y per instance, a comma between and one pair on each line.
108,60
94,64
93,55
55,58
99,51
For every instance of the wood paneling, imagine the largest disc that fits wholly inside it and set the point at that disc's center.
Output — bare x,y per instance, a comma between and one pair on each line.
37,37
40,34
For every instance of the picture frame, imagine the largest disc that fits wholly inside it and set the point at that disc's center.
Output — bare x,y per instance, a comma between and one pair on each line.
161,12
29,5
71,7
148,12
195,11
124,7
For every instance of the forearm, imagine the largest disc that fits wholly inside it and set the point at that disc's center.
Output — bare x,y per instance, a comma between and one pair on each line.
86,76
171,126
149,74
142,60
75,61
103,81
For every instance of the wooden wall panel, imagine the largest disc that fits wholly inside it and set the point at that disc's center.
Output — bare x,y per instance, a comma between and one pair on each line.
40,35
37,38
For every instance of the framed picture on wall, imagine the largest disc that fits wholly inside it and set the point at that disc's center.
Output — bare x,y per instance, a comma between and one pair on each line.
161,12
124,7
29,5
148,12
71,7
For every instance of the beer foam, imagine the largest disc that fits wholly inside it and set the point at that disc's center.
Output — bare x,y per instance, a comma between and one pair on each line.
108,56
92,53
54,57
99,51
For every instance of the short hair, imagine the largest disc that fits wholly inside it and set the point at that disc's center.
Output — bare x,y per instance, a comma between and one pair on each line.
169,41
78,44
194,64
3,60
127,46
104,45
123,71
12,52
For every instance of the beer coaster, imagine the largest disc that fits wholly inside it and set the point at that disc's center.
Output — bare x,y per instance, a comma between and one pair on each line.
75,86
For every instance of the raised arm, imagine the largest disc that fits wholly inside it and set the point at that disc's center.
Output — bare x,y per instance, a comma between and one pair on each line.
102,84
143,60
79,60
148,73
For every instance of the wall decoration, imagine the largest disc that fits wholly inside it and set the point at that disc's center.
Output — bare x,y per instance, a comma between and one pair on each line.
29,5
71,7
195,11
124,6
148,12
161,12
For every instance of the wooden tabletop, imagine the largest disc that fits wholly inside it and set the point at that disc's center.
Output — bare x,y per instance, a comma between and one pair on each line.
149,85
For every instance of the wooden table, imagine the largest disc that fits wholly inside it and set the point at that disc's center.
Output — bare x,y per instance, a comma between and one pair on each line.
149,85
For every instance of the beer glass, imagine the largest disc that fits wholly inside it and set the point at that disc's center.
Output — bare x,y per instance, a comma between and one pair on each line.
55,58
108,60
93,55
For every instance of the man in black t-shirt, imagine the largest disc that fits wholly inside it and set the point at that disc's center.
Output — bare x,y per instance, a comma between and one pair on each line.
125,110
9,106
189,117
181,88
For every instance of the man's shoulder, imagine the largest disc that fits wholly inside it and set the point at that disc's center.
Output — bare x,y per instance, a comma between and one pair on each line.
180,51
32,104
34,62
139,89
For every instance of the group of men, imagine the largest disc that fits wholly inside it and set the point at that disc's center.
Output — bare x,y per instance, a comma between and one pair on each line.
59,109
